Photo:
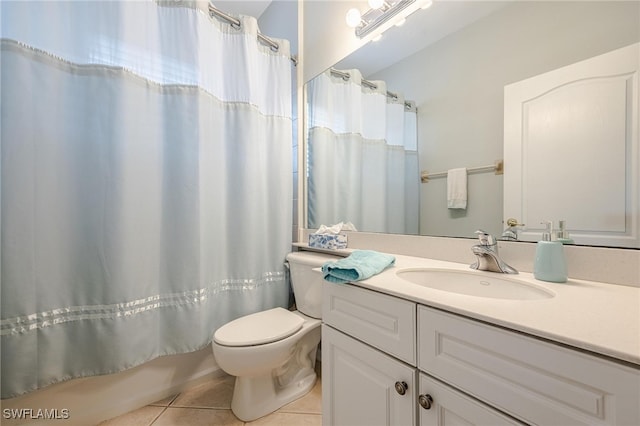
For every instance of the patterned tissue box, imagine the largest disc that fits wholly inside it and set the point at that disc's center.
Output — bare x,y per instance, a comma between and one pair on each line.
328,241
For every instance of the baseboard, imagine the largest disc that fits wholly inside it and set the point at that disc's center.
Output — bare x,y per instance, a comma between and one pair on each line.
88,401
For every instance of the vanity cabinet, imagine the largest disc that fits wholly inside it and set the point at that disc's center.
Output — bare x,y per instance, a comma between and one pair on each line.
390,361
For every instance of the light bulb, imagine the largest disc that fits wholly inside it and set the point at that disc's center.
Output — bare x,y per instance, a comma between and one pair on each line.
376,38
353,17
400,22
376,4
426,4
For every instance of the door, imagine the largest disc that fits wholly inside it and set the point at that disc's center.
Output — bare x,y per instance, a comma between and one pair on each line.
362,386
571,150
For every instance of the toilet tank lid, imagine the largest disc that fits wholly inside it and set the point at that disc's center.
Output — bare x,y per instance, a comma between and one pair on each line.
259,328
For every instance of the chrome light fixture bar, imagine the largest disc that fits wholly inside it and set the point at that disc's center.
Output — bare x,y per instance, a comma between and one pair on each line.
373,18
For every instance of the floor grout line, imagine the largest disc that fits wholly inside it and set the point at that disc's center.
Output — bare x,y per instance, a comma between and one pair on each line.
158,416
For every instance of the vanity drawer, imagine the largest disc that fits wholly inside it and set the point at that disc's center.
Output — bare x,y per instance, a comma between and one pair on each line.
382,321
533,380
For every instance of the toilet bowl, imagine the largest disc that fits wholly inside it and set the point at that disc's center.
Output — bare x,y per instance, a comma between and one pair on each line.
272,353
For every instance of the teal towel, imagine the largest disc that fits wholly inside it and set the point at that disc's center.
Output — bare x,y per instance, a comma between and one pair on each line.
360,264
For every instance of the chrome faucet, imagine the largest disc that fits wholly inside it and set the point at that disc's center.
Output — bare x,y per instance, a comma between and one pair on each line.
487,254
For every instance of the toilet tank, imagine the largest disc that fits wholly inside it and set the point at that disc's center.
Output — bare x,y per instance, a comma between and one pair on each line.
307,283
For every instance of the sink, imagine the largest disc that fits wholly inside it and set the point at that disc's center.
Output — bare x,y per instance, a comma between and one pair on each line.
474,283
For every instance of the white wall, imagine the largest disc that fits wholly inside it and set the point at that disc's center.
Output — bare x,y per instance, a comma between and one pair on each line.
458,83
280,20
327,38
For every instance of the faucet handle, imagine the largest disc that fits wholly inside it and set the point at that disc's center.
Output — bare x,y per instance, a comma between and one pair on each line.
485,238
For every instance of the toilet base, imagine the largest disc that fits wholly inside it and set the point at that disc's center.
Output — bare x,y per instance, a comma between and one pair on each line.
272,375
255,397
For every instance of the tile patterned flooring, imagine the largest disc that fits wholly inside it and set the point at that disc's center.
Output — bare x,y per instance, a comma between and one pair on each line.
210,404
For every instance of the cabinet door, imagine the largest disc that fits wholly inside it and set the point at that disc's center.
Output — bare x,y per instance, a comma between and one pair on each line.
359,384
451,407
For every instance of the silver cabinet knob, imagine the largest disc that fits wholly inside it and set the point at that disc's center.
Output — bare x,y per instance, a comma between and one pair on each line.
401,387
425,401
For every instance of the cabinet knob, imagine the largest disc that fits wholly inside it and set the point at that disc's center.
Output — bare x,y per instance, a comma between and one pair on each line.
425,401
401,387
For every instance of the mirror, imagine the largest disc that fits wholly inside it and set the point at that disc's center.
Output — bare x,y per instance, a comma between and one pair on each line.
453,61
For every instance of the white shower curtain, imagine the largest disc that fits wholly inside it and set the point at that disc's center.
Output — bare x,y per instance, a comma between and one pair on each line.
362,156
146,183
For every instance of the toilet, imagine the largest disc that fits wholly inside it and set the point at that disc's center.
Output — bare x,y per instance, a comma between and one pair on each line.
272,353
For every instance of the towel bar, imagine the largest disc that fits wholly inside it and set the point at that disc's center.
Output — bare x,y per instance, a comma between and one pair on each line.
498,168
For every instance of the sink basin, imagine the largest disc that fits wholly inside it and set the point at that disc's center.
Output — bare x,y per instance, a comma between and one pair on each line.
474,283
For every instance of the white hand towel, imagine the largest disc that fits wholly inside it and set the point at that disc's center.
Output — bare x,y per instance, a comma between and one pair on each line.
457,188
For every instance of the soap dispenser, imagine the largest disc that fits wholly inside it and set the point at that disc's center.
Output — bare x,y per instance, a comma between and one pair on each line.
550,263
563,234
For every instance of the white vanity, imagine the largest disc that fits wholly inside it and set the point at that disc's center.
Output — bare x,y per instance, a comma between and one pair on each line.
399,353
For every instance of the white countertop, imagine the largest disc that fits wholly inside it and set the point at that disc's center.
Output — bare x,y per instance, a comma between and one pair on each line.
598,317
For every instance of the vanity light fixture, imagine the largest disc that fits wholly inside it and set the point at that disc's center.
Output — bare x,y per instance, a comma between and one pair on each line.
376,4
382,12
353,18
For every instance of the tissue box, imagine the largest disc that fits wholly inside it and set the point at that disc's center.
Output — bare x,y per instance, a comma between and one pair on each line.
328,241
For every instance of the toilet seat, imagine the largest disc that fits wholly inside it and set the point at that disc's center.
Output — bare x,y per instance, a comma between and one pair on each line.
259,328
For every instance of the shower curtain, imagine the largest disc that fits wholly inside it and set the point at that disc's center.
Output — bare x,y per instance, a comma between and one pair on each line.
146,183
362,156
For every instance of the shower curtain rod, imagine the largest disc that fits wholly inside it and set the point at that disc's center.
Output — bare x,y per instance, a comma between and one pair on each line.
346,76
235,23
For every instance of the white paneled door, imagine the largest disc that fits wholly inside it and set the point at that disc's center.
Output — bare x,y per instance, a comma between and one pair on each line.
571,150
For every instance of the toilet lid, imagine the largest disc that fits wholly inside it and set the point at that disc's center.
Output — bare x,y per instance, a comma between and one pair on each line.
259,328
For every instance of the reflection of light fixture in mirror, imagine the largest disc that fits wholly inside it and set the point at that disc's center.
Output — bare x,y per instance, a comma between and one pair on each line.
381,12
353,17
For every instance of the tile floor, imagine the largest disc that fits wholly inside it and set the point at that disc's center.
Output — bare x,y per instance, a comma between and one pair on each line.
209,404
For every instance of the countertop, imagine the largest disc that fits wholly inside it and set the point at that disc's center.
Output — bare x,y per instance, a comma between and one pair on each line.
598,317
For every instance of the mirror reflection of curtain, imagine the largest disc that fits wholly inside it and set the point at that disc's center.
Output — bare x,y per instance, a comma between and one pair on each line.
362,156
146,183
